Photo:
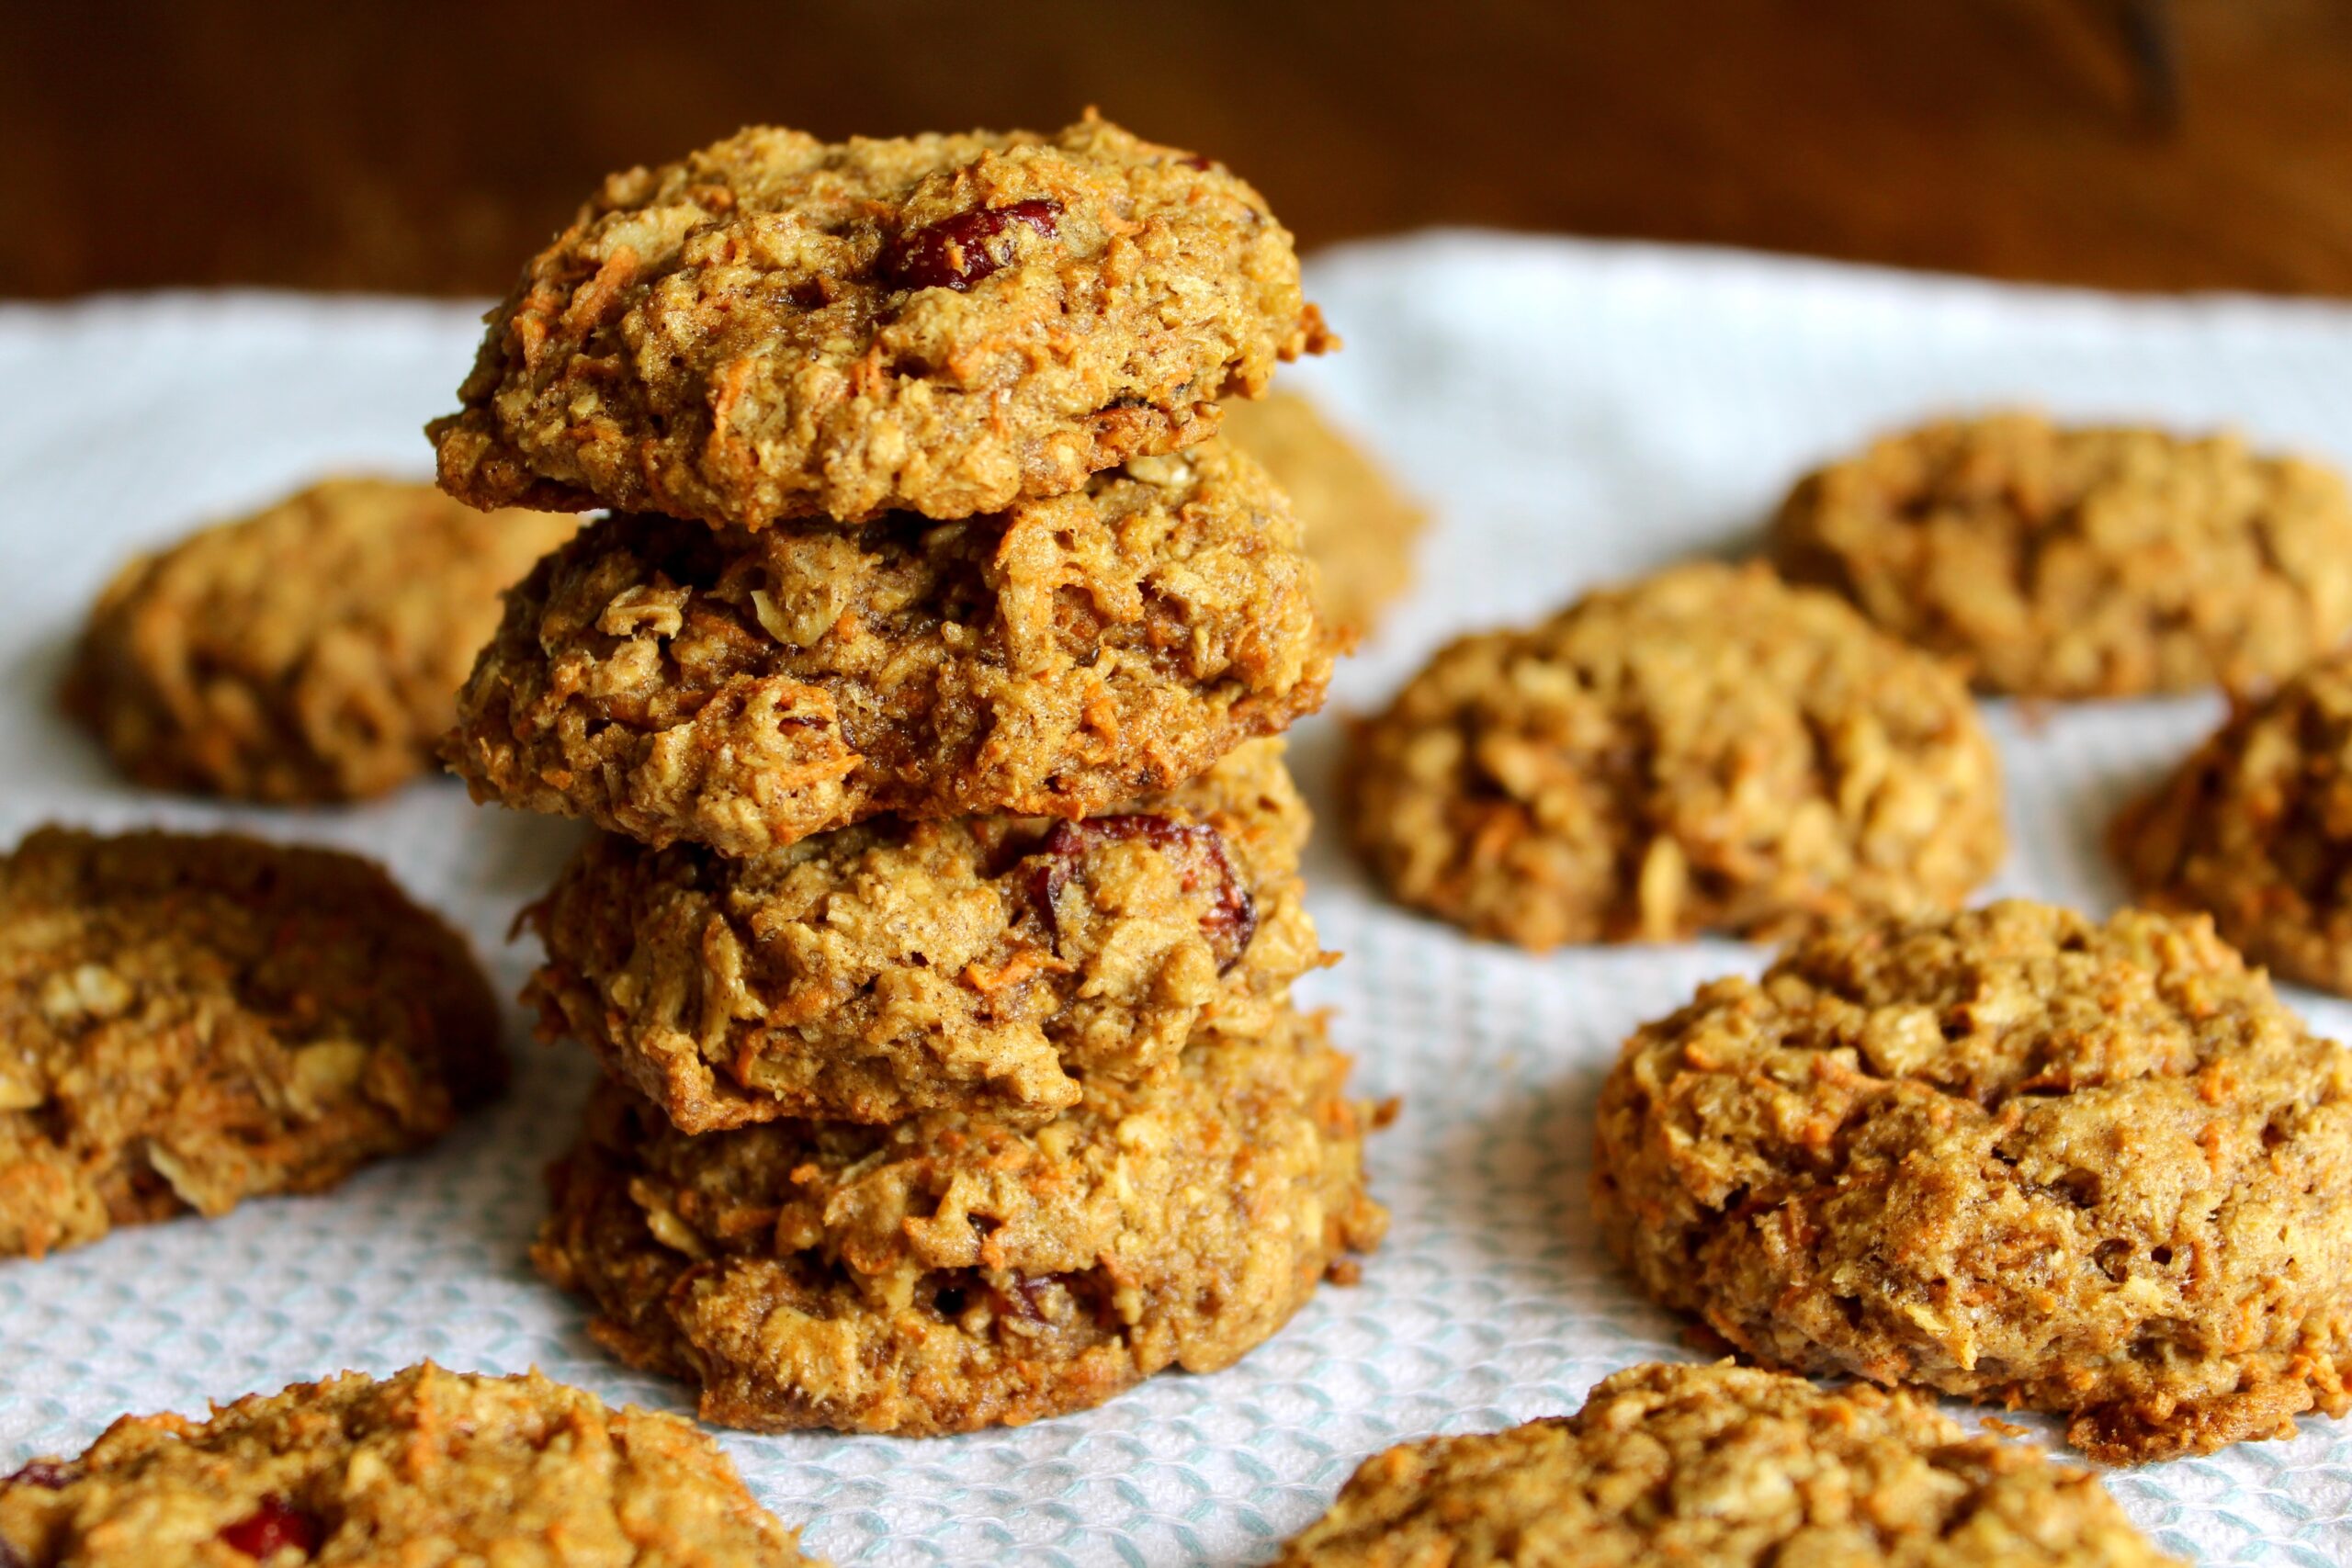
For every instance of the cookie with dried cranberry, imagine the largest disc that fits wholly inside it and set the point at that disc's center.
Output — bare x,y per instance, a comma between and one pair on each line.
776,327
952,1271
1707,749
2013,1154
1360,528
1723,1467
186,1023
310,652
744,689
2082,561
2255,828
986,963
425,1466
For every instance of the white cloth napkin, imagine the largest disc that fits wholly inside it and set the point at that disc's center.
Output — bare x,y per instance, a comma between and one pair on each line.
1573,412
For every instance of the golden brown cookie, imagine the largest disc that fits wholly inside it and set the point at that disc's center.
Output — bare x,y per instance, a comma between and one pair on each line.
950,1272
1723,1467
2062,561
671,681
425,1467
186,1023
776,327
2012,1154
987,963
2255,828
1706,749
310,652
1360,527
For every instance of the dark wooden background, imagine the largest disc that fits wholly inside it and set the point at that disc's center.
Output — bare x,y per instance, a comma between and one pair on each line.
430,147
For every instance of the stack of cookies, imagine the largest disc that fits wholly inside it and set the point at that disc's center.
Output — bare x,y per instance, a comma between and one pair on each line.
924,675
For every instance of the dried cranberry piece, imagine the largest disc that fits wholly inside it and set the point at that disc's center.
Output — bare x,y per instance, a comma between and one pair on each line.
955,251
273,1526
1232,917
955,1290
1025,1299
1022,1300
49,1475
1094,1295
1194,160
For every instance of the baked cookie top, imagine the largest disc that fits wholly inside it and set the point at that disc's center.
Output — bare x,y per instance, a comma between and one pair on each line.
310,652
2082,561
981,963
1705,750
186,1023
426,1466
1360,528
2255,827
2012,1154
1723,1467
743,690
951,1272
777,327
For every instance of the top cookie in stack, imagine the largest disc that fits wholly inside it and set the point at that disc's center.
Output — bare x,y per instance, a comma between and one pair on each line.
925,670
775,327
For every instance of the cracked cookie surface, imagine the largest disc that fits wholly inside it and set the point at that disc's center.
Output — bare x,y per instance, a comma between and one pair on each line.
673,681
425,1466
2255,828
950,1272
2012,1154
1723,1467
186,1023
981,963
1360,528
310,652
2069,563
775,327
1706,749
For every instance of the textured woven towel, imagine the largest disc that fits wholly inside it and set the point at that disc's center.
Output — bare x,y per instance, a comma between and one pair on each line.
1573,412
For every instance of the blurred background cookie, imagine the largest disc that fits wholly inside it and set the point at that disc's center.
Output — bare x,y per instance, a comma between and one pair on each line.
310,652
2255,828
1705,750
2082,561
191,1021
1360,528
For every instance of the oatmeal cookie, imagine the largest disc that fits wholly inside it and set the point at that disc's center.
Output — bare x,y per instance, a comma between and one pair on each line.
2012,1154
1360,528
1723,1467
951,1272
186,1023
1706,749
671,681
424,1467
2082,562
2256,830
310,652
776,327
983,962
